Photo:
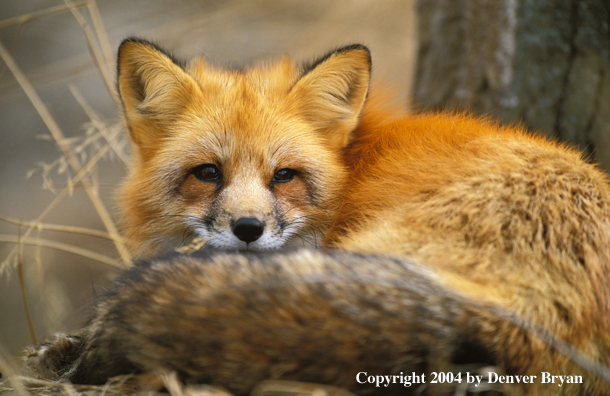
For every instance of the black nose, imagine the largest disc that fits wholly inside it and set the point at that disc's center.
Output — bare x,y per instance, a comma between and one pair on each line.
248,229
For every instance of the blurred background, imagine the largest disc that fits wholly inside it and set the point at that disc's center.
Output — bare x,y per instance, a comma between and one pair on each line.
46,46
542,64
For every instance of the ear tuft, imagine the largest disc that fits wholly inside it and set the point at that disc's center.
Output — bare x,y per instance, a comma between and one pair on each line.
341,50
153,88
332,92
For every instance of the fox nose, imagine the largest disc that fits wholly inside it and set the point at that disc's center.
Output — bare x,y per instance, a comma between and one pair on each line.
248,229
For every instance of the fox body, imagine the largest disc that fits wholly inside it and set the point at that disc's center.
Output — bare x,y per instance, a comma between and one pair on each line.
503,216
514,225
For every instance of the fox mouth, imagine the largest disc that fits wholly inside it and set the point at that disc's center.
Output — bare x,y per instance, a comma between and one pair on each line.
227,240
248,235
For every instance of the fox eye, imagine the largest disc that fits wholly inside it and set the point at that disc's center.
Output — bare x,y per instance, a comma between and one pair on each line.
283,175
207,173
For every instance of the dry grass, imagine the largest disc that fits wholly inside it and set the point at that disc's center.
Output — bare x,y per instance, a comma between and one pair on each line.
136,385
69,156
160,384
77,164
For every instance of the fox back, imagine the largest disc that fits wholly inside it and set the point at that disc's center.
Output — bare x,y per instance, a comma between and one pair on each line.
244,159
503,215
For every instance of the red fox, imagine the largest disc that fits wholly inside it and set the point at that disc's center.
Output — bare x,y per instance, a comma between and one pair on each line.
273,155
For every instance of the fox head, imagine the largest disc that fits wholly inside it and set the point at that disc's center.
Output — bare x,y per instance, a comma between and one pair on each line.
244,159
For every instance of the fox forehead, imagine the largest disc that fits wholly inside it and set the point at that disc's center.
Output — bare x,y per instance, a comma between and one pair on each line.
269,79
252,104
234,148
242,116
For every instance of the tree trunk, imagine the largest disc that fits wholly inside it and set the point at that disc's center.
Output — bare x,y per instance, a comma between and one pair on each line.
542,63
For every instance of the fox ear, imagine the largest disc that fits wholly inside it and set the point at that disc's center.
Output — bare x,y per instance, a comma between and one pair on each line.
153,88
331,92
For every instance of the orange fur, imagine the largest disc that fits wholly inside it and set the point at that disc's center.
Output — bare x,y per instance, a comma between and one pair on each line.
505,216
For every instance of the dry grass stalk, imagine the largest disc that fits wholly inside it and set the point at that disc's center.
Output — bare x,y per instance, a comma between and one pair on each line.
79,147
24,295
39,106
62,194
9,377
152,384
102,37
81,174
65,148
100,61
58,227
98,123
176,388
295,388
64,247
135,385
119,386
23,19
7,261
